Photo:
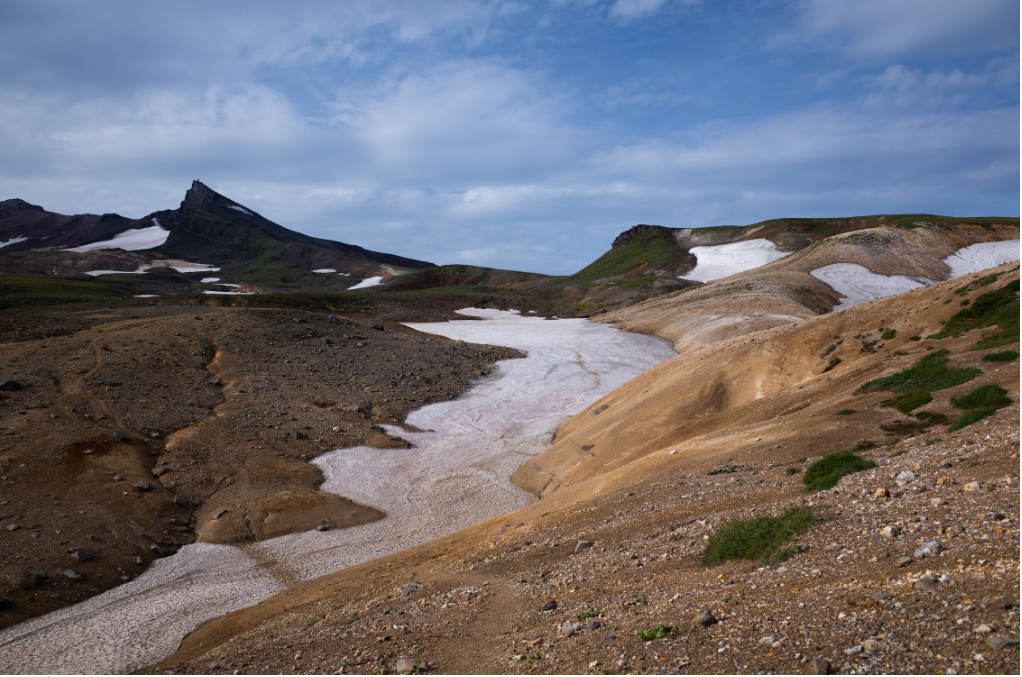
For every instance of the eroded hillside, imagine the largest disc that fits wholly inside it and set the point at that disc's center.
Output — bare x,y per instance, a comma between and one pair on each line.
908,566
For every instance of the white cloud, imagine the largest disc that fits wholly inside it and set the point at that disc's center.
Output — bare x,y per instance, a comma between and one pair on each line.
884,28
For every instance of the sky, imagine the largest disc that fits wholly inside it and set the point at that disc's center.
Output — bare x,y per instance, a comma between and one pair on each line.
507,133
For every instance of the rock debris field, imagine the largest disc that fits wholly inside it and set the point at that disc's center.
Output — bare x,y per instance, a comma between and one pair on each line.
455,475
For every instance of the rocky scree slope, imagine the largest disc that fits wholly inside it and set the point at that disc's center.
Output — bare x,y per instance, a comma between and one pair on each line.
911,566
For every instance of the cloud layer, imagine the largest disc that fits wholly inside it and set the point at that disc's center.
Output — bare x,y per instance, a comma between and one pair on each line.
513,134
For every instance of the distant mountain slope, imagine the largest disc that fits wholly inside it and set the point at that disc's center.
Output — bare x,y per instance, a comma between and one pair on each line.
207,227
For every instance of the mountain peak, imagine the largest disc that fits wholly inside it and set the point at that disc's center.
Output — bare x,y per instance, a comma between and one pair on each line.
198,198
630,234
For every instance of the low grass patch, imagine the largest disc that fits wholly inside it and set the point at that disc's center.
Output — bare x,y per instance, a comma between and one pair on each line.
657,632
759,538
845,412
971,416
826,472
930,373
998,308
979,403
889,334
989,395
594,612
1001,356
913,399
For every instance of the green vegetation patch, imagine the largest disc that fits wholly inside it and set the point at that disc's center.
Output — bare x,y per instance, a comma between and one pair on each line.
930,373
977,283
28,291
998,308
826,472
989,395
1001,356
759,538
971,416
978,404
845,412
649,250
657,633
889,334
913,399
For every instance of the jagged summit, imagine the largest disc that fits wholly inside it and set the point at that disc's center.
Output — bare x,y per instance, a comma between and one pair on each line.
207,227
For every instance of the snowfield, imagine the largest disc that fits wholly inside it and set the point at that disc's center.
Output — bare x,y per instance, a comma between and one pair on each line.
325,270
13,240
141,269
240,209
374,281
209,280
226,293
130,240
455,475
724,260
981,256
858,284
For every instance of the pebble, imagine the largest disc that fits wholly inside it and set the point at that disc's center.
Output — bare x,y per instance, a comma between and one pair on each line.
71,575
904,478
405,666
550,605
970,487
143,486
408,591
24,580
819,666
583,545
890,532
704,619
927,582
998,643
81,554
904,561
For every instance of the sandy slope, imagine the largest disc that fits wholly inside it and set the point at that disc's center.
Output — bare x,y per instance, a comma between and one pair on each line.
752,405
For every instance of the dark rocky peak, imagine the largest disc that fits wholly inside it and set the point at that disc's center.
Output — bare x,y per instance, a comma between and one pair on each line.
630,234
16,206
199,198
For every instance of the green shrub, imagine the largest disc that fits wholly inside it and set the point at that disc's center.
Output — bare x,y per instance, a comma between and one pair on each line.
929,373
845,412
971,416
826,472
889,334
1002,356
994,308
657,633
759,538
913,399
987,396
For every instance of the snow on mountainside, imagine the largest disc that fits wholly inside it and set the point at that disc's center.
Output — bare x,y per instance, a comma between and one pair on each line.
723,260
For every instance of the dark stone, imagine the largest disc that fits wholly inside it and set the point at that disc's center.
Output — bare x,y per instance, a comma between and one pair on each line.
143,486
550,606
5,604
704,619
24,580
408,591
819,666
10,386
81,554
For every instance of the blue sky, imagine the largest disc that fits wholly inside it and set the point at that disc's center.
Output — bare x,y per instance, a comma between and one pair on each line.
515,134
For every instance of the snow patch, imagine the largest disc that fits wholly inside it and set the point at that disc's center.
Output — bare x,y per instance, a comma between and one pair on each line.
325,270
226,293
147,296
374,281
13,240
209,280
723,260
858,284
132,240
240,209
981,256
184,266
94,273
228,284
